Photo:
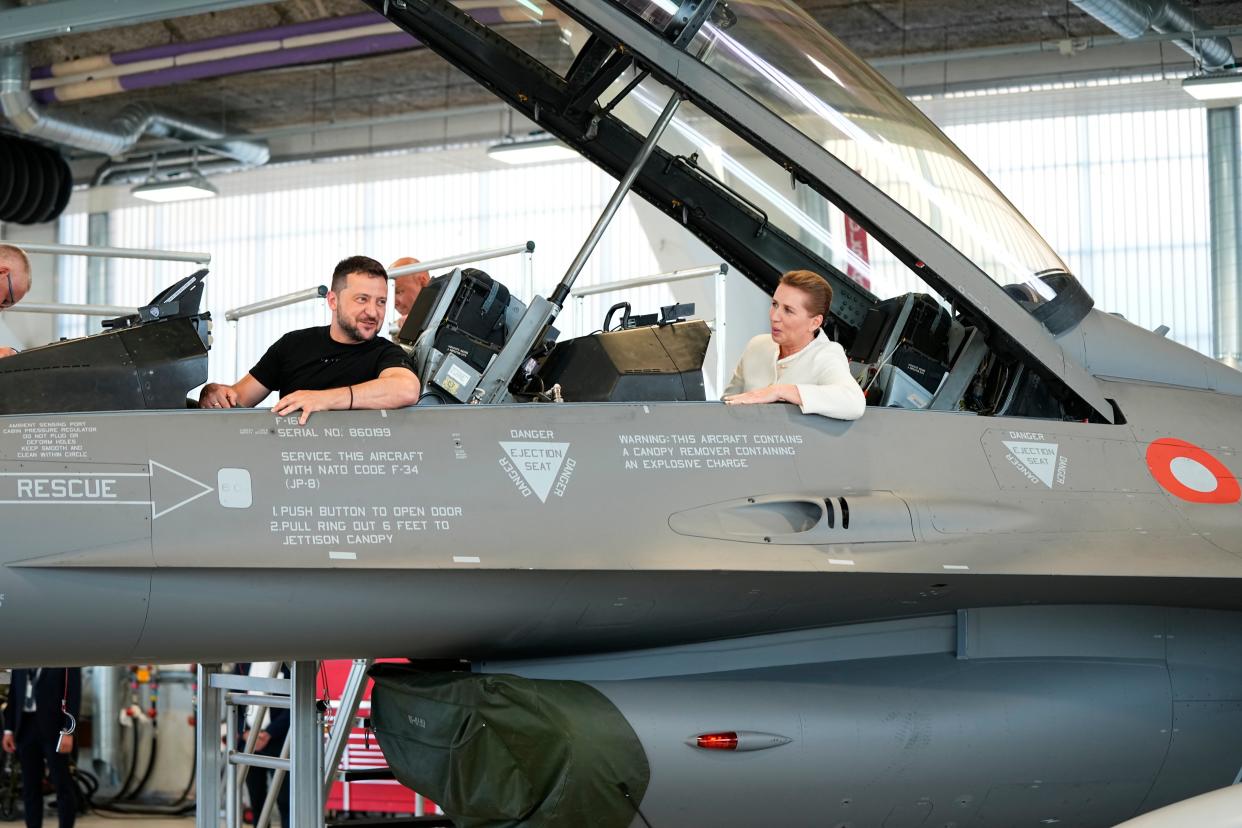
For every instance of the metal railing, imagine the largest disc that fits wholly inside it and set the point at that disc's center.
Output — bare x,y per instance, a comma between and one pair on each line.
527,249
112,252
58,309
281,301
235,315
81,310
718,324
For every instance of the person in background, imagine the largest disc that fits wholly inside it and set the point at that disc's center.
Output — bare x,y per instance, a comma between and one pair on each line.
341,366
406,288
14,281
39,720
797,362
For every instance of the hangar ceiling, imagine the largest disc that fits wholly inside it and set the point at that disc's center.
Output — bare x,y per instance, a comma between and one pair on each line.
388,85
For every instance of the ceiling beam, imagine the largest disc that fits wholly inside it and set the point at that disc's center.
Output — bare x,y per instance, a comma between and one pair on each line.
60,17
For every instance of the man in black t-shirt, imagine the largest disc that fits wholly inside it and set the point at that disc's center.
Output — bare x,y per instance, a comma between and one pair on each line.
342,366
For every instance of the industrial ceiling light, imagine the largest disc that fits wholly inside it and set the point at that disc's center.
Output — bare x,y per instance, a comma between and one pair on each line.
1220,87
191,185
531,151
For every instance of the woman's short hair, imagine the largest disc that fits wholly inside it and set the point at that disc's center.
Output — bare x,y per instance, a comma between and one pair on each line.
816,288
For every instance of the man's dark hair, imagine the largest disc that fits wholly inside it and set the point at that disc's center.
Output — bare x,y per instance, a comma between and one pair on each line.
356,264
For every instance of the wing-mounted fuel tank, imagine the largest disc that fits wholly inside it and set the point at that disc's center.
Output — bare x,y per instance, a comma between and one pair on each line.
1073,715
150,359
558,752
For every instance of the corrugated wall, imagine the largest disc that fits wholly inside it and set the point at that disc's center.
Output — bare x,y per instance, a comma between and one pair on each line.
1120,193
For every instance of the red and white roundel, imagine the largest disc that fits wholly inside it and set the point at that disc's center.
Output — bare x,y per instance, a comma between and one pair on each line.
1190,473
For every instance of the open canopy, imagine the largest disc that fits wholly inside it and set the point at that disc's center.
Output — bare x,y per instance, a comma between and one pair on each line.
783,137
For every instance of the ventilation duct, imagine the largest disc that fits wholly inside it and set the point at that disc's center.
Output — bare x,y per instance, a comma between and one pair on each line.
1132,18
164,166
117,137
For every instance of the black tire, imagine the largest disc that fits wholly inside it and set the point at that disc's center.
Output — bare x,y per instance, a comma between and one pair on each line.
50,161
33,159
14,184
66,186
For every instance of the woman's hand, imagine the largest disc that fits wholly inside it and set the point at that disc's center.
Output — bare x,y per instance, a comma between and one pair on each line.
770,394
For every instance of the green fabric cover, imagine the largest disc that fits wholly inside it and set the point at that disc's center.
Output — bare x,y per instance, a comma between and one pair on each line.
496,751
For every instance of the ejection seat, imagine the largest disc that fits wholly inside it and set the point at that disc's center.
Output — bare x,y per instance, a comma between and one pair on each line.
906,345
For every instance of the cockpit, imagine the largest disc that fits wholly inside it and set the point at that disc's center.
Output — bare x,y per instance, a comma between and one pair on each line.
815,162
863,191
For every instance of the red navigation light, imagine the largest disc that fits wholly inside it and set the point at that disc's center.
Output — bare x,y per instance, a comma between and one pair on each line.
718,741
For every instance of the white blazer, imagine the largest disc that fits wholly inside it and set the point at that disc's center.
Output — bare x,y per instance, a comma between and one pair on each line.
820,370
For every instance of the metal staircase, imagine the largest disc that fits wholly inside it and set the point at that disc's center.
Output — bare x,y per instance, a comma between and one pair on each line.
306,758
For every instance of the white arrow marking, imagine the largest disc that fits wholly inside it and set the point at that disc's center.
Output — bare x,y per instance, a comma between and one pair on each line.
150,473
206,490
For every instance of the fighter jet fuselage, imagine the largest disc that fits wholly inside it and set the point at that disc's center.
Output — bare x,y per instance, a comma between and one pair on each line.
1007,595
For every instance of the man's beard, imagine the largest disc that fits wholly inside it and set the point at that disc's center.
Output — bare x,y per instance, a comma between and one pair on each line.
351,330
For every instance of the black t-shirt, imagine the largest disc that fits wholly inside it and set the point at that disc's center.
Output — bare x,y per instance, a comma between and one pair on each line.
311,360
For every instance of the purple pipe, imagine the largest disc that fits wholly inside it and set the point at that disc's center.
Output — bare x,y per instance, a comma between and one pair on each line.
353,47
328,24
270,60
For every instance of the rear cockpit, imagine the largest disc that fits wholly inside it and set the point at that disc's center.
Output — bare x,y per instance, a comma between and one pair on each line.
913,352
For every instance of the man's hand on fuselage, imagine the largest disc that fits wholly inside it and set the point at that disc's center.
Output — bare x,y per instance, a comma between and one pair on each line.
217,395
310,401
394,388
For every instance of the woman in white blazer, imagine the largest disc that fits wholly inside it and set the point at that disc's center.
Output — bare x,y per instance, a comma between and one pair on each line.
797,362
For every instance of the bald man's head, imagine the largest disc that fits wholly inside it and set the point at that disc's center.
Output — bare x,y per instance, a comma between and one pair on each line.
14,275
406,287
